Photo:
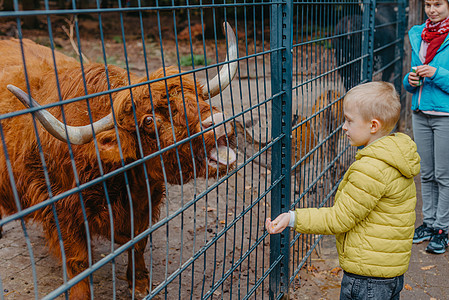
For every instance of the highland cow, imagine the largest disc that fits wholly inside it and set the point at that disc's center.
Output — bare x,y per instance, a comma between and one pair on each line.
161,124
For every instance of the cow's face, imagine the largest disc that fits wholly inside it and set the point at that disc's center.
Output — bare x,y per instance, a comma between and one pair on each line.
170,116
175,119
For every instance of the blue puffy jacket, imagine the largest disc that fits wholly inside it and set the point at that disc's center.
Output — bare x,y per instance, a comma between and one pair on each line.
435,90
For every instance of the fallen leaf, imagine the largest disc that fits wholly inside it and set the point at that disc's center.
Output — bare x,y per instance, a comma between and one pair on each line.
222,222
335,271
408,287
428,267
312,268
209,209
248,187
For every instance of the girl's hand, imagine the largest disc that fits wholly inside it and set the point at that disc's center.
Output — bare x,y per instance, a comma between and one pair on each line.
279,224
426,71
413,79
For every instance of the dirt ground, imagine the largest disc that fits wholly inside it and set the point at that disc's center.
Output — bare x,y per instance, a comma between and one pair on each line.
216,245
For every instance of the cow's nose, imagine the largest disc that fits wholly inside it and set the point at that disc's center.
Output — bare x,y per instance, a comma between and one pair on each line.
216,119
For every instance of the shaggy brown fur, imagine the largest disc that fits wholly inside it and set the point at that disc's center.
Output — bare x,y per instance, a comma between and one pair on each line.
150,122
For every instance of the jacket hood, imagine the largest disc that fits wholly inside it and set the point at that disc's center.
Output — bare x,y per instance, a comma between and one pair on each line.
397,150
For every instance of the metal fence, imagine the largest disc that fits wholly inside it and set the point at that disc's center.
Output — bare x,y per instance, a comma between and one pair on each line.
134,164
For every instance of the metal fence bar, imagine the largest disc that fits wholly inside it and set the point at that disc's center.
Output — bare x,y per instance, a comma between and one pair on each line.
399,49
295,61
369,12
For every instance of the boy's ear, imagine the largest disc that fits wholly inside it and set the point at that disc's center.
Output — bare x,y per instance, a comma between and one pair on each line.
375,125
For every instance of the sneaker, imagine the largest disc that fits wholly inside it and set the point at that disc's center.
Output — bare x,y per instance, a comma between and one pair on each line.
438,243
423,233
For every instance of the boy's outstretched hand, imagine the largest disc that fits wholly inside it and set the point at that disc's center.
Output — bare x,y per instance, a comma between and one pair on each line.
279,224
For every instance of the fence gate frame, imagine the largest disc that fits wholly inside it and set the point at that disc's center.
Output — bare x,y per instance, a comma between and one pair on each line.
281,46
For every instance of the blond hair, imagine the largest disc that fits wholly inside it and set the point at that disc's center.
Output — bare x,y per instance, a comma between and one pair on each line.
376,100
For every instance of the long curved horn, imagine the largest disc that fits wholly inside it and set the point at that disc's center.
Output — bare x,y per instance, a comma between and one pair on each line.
227,71
78,135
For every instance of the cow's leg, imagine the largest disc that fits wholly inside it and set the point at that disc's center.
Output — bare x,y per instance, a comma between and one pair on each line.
137,273
75,249
138,276
76,265
1,227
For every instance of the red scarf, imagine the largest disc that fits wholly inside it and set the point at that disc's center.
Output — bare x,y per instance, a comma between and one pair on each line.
434,34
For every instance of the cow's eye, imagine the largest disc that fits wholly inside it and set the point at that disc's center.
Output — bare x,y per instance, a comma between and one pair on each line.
148,121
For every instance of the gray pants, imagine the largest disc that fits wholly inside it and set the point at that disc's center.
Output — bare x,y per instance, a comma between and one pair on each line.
432,138
355,287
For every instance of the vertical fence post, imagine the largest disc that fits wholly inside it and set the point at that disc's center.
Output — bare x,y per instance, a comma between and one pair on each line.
281,83
399,51
369,12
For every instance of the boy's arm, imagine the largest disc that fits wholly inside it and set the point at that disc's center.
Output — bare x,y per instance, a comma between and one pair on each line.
356,199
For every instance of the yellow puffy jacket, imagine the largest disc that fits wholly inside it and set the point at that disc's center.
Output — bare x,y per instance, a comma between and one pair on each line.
373,215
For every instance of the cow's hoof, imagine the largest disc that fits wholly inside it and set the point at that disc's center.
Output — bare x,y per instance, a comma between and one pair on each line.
142,285
141,291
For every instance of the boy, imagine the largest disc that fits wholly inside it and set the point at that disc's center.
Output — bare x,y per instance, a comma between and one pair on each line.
374,212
